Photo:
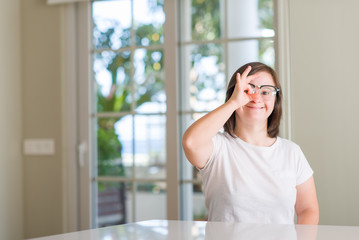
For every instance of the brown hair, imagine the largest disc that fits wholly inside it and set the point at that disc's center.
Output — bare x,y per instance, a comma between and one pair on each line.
275,117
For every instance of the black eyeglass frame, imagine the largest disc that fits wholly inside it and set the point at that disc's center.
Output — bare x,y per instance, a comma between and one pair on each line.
277,89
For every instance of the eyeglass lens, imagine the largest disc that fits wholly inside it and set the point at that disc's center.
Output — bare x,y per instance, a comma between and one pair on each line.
266,92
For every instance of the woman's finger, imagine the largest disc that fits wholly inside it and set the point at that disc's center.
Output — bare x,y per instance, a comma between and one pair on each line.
246,72
242,86
238,78
241,90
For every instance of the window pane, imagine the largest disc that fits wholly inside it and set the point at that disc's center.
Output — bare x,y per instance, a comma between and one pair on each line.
206,19
115,146
200,20
188,172
112,74
242,52
129,82
267,52
203,84
149,81
112,204
250,18
199,208
193,202
149,18
150,146
112,22
151,201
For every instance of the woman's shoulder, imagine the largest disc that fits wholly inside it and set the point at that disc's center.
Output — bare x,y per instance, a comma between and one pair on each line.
224,136
223,139
286,143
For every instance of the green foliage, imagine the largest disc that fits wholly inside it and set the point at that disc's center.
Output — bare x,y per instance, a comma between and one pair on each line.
265,8
200,216
205,26
103,39
116,100
120,96
205,19
109,150
148,34
206,81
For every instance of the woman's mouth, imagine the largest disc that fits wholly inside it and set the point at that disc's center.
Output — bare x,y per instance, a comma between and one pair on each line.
255,107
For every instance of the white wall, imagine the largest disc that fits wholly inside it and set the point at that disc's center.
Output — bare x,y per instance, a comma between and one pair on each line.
324,38
11,204
41,116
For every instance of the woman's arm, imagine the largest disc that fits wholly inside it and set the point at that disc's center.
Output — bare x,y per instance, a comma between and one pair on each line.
197,140
306,206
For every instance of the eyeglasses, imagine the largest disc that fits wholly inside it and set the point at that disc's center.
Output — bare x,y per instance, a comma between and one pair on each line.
265,91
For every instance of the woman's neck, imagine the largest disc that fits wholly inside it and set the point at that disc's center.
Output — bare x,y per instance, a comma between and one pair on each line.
255,133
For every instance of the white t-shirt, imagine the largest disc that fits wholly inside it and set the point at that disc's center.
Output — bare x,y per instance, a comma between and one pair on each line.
253,184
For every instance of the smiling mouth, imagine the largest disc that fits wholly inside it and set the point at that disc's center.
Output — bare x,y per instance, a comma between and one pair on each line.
255,107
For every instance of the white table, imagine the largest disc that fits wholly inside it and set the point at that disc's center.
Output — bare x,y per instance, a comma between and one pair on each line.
196,230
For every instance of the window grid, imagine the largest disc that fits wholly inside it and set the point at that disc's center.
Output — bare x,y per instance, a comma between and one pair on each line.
98,115
181,112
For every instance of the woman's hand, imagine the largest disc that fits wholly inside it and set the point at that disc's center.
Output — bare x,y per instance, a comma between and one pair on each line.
197,140
241,90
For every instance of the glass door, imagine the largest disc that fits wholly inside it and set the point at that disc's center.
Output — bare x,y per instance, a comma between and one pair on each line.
129,113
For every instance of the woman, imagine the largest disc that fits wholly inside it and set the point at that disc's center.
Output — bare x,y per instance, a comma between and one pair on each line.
249,173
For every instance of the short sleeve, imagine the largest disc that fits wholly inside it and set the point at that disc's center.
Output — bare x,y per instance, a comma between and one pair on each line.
216,143
304,171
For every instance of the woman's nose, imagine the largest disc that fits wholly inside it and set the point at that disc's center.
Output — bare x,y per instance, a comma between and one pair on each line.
255,96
